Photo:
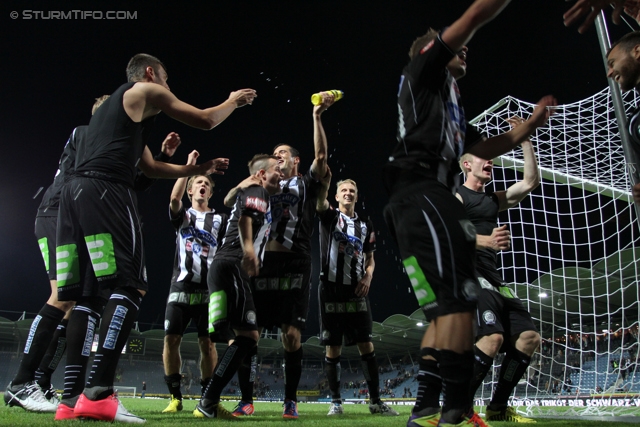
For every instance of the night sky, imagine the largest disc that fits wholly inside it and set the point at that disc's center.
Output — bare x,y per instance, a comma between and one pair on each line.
53,69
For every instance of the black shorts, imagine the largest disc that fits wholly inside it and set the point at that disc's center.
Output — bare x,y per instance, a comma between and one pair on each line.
99,240
343,314
45,231
437,245
230,301
502,312
183,307
282,290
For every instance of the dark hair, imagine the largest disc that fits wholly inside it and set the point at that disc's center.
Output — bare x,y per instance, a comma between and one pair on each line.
260,161
137,66
293,151
421,42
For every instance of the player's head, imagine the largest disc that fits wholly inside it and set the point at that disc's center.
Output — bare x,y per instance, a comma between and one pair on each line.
476,168
288,159
267,169
98,103
457,66
147,68
346,193
200,188
623,61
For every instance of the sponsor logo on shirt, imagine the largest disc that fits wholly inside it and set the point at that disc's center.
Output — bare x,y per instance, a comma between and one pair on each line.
256,203
202,235
285,198
352,245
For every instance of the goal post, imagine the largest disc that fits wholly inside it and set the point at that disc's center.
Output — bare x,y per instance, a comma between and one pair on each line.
574,258
125,391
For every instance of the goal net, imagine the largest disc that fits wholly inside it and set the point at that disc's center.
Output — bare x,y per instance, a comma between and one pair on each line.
574,259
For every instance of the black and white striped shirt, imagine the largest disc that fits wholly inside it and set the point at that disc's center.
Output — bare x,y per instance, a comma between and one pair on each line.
344,242
198,235
293,210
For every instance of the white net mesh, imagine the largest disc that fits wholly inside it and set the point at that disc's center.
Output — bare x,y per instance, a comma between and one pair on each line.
574,257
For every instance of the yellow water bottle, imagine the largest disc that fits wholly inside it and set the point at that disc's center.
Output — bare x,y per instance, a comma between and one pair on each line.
316,98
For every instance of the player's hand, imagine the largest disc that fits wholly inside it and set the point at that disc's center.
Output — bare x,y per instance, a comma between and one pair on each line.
636,193
243,97
591,8
250,264
500,238
327,101
170,144
362,289
544,109
215,166
193,157
248,182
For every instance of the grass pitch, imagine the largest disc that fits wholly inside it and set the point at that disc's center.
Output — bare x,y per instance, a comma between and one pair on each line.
266,415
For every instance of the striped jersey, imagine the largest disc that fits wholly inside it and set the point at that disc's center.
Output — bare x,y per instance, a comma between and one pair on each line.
432,130
344,241
252,202
197,238
293,210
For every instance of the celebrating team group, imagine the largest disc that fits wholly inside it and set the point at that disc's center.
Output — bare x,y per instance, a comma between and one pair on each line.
236,274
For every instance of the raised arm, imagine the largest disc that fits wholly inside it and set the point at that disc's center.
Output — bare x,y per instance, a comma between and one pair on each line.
145,100
322,204
498,145
175,203
478,14
319,165
531,179
155,169
169,147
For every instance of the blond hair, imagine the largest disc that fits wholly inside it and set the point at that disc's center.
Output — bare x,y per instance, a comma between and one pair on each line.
192,179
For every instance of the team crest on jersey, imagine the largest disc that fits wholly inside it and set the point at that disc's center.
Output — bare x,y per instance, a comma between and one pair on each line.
489,318
257,204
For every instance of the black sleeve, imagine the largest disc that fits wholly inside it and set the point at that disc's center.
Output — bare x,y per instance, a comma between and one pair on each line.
253,202
429,66
327,217
143,182
177,220
472,137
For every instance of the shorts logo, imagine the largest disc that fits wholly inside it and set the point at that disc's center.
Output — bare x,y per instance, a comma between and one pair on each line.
362,306
484,283
250,316
489,318
469,230
351,307
329,307
44,250
296,281
423,291
67,267
166,324
340,307
217,308
273,283
285,283
256,204
102,254
326,334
